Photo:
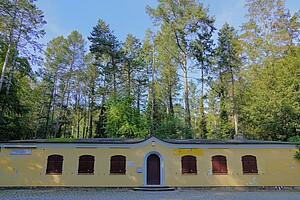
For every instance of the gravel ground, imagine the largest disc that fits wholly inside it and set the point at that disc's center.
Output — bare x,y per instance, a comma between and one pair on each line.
129,194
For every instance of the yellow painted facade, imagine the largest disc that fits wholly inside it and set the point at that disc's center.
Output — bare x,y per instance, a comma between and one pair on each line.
24,164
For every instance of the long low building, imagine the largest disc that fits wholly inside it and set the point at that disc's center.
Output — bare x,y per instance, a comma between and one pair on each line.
111,162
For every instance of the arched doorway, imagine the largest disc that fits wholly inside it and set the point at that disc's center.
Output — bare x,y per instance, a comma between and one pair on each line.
153,170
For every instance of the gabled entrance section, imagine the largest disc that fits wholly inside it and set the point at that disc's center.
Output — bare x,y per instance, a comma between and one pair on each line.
153,169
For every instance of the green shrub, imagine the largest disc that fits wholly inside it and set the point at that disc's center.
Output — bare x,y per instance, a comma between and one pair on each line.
296,139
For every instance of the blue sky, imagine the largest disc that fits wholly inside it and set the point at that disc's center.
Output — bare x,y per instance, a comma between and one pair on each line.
126,16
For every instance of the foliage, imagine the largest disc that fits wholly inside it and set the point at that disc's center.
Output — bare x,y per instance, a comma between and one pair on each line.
203,52
21,26
105,46
172,127
269,103
269,29
16,122
62,77
123,119
297,140
294,139
224,82
101,124
272,111
180,21
297,155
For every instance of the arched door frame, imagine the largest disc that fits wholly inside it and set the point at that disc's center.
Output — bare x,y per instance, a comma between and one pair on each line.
162,164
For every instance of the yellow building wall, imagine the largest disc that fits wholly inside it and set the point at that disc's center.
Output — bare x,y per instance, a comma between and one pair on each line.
276,167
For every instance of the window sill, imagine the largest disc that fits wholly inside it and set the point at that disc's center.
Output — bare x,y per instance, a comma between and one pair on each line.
117,173
189,173
53,173
85,173
220,173
251,173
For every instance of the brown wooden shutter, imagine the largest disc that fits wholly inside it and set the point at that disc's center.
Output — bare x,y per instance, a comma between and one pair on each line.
118,164
249,164
188,164
86,164
54,164
219,165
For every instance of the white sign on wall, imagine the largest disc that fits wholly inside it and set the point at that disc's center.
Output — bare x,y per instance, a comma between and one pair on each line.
139,170
20,152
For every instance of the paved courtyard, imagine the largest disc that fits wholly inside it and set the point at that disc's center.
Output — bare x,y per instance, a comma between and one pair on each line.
129,194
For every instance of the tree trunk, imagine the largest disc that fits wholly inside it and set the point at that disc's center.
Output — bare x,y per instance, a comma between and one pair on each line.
91,123
49,108
13,61
8,85
129,80
139,97
66,118
84,119
92,101
202,114
186,96
4,105
5,65
78,128
63,98
171,107
58,122
234,107
114,75
38,122
202,89
153,124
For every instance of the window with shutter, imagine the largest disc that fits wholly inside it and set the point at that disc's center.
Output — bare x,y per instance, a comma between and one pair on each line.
188,165
54,164
249,164
86,164
219,164
118,164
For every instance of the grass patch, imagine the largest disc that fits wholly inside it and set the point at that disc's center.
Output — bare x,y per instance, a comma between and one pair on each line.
61,140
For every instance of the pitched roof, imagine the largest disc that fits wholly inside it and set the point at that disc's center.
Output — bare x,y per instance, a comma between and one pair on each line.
139,140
